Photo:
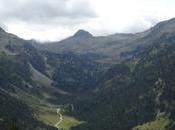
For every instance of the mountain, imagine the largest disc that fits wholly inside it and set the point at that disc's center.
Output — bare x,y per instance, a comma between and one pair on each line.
24,84
109,49
100,49
41,80
121,81
82,34
17,86
136,94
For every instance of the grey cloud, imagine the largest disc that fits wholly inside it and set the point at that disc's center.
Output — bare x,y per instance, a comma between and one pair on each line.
140,25
45,11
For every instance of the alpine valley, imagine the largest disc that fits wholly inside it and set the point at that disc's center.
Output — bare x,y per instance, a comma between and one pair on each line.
84,82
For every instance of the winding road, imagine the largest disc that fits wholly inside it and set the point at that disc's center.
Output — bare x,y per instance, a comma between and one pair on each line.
60,118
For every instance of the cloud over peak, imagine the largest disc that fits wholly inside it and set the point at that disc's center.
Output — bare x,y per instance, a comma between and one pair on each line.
58,19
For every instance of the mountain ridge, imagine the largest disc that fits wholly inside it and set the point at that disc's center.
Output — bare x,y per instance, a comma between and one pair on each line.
113,48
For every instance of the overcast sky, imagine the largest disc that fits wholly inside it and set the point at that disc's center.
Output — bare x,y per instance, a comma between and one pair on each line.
57,19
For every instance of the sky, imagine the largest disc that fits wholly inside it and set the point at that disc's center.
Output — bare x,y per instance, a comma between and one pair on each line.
53,20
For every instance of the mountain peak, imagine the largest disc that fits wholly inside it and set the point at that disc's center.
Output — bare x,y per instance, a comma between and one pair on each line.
83,34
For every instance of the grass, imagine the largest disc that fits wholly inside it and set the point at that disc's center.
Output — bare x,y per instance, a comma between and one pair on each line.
49,116
69,122
159,124
46,112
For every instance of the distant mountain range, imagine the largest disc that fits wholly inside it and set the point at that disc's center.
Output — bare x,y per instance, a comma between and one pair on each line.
109,49
121,81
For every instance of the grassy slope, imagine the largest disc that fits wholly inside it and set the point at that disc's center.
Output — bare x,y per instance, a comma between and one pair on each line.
46,112
160,123
69,122
49,116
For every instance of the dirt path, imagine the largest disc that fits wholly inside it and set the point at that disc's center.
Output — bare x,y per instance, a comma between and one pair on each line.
60,118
